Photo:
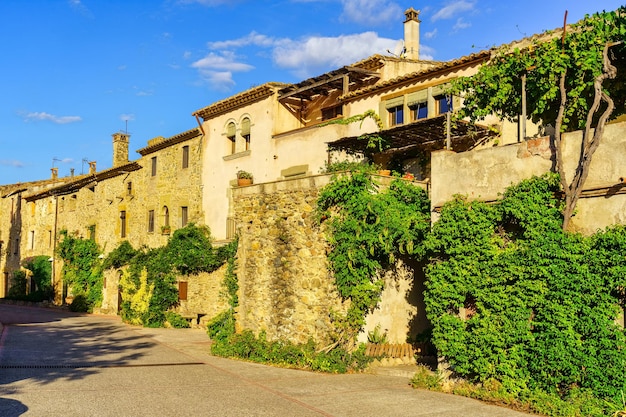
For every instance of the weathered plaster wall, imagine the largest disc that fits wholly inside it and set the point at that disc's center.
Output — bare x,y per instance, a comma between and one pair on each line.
485,173
205,296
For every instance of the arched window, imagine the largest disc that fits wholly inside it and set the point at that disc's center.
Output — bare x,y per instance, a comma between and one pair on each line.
245,131
231,135
166,216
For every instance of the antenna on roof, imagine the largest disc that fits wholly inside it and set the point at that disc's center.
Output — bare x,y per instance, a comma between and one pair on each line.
82,165
399,50
55,159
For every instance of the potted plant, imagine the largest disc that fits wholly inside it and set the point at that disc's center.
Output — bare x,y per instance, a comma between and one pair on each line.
244,178
166,229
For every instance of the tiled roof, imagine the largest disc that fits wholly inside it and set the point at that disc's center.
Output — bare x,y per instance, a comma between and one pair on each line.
443,66
85,180
164,143
239,100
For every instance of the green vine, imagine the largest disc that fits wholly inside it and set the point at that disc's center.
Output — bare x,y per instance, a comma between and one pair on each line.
368,230
82,268
516,300
148,285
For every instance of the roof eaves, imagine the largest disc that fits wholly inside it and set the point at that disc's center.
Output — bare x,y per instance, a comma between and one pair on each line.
239,100
181,137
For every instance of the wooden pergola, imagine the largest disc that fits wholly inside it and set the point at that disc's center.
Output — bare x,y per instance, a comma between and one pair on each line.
424,135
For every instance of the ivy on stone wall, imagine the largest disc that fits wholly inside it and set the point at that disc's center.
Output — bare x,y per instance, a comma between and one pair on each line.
149,284
368,228
82,269
514,299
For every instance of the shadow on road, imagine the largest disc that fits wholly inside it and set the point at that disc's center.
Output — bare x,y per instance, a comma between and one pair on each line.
11,408
44,345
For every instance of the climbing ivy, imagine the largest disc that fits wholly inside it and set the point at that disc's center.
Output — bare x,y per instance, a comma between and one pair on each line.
514,299
368,228
82,268
148,285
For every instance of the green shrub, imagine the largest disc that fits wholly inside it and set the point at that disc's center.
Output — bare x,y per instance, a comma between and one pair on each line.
176,320
80,304
512,298
17,291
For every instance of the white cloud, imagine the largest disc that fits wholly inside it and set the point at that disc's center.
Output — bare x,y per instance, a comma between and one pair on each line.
253,38
80,8
431,34
12,163
217,69
461,24
370,12
226,60
452,9
35,116
127,117
317,53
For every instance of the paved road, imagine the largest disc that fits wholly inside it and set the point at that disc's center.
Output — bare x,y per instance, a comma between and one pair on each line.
61,364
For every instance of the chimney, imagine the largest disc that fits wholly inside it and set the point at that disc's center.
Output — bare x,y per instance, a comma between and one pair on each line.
120,149
92,167
412,34
55,173
71,172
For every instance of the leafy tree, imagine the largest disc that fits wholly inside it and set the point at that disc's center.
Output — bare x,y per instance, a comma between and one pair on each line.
571,79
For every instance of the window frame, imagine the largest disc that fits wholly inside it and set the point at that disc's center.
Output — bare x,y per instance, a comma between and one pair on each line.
185,163
153,167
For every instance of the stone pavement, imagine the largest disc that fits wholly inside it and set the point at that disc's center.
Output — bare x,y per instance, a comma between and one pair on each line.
58,363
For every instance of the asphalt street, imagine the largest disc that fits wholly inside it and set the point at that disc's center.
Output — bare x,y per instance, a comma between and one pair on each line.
54,363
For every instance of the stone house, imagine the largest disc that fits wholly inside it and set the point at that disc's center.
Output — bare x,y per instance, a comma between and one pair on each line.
139,201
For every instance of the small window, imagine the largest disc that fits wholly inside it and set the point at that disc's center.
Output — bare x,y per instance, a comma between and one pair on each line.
92,232
185,156
166,216
396,115
32,239
183,216
49,238
17,246
331,112
129,188
154,166
182,290
419,111
443,103
123,223
151,221
231,135
245,132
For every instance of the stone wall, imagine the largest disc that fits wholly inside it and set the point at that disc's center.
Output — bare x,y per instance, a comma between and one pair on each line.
205,296
285,288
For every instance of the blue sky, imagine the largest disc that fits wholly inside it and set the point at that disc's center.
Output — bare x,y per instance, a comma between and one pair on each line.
76,71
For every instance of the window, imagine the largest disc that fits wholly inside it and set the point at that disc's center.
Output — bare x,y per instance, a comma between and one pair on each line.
419,110
32,239
443,104
129,188
92,232
245,132
182,290
183,216
17,246
166,216
154,165
123,223
151,221
231,132
331,112
185,156
396,115
49,238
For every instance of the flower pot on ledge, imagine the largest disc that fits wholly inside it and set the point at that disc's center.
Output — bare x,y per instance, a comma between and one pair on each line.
385,172
244,181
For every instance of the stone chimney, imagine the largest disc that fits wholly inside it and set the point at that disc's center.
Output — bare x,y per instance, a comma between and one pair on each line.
120,148
55,173
412,34
92,167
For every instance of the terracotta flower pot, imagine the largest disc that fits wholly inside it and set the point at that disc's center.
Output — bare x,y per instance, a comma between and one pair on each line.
244,181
